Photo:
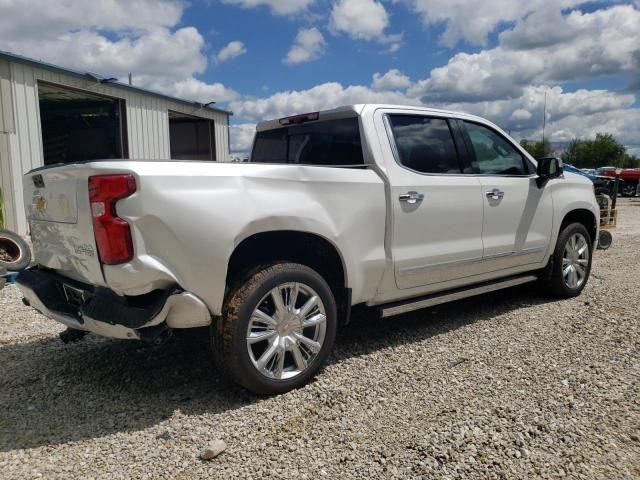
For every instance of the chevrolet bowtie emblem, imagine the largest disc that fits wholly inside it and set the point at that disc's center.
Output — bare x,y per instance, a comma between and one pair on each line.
40,204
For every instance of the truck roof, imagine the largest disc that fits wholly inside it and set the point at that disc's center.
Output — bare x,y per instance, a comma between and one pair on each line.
357,109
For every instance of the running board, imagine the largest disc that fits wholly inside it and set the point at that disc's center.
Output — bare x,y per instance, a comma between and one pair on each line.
410,305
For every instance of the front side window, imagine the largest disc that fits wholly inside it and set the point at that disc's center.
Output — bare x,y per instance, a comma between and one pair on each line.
493,154
332,142
424,144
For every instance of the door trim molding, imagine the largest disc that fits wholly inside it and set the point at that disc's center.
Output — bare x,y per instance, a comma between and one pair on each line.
467,261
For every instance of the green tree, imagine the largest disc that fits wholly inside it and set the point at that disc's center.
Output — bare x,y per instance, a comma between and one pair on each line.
602,151
537,149
630,161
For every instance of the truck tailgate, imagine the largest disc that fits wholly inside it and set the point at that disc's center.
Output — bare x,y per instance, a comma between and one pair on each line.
58,211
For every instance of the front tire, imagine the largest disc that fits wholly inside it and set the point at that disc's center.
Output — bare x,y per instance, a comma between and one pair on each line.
569,267
276,330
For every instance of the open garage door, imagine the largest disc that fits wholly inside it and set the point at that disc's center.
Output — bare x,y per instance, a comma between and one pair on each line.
79,126
191,138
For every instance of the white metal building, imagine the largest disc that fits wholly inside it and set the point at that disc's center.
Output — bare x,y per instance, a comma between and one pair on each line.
50,114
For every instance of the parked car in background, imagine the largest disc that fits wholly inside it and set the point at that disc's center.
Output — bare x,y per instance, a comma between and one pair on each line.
601,184
393,208
629,179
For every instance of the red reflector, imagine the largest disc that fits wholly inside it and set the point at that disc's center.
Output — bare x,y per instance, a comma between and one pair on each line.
297,119
113,234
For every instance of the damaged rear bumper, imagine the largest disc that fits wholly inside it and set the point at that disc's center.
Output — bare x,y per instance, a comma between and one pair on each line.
101,311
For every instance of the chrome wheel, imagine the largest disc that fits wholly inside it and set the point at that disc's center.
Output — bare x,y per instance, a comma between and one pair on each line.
286,330
575,261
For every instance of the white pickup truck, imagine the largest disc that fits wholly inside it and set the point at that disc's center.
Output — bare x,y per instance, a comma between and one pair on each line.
391,207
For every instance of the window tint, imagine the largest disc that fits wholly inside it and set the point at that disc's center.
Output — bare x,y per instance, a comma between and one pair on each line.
424,144
493,154
333,142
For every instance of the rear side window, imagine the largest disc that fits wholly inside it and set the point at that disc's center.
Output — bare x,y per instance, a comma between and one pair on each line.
493,154
332,142
425,144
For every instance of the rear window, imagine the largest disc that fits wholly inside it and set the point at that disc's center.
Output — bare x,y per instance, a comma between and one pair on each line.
333,142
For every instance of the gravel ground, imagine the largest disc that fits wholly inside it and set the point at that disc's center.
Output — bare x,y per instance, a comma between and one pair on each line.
510,385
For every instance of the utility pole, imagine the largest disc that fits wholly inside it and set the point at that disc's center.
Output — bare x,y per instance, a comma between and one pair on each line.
544,116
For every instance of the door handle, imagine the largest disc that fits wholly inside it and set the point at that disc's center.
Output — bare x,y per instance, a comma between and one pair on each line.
495,194
411,197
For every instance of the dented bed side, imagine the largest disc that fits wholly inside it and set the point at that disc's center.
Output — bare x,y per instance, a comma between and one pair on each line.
186,218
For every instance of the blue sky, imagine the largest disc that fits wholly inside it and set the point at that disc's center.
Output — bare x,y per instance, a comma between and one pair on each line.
268,38
270,58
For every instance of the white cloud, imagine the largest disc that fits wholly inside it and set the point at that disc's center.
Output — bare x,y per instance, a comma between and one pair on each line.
279,7
194,89
42,19
473,21
320,97
141,39
520,114
524,113
309,45
569,114
601,42
242,137
159,52
392,80
363,20
231,50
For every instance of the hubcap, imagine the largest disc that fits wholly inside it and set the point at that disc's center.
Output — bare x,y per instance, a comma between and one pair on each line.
575,261
286,330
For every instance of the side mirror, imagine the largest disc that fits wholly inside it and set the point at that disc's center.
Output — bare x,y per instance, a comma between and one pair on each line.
548,168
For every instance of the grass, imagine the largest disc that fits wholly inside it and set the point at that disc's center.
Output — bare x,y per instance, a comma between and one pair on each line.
1,210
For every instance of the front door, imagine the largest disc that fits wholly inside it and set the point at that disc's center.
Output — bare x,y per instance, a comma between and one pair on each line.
517,213
437,211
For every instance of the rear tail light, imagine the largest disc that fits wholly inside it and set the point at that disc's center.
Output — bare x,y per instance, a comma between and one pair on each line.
113,234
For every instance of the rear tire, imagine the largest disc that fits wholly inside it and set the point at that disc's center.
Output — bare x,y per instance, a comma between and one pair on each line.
628,189
15,254
569,267
276,330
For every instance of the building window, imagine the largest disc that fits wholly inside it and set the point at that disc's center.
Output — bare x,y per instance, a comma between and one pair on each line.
78,126
191,138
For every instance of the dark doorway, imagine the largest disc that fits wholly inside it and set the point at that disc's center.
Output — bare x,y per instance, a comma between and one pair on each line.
79,126
191,138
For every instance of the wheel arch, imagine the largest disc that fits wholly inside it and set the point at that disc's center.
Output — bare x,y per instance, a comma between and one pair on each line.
585,217
310,249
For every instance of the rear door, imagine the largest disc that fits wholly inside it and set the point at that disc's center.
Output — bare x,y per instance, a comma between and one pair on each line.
437,210
517,215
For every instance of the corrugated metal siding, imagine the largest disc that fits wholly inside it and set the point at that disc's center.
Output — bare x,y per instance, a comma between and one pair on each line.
147,127
6,99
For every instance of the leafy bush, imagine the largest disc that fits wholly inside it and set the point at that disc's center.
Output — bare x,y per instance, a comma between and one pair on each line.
537,149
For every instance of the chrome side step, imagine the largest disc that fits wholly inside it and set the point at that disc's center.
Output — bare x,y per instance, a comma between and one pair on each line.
410,305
